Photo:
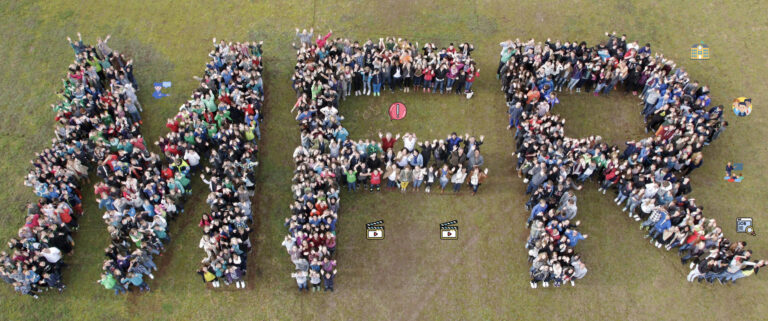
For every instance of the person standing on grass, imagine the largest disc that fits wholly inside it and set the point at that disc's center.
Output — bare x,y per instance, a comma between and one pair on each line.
429,75
387,141
475,159
540,208
430,178
351,175
109,283
579,269
418,177
305,38
136,280
376,82
328,278
78,46
375,180
405,178
444,175
538,176
458,178
391,174
409,141
540,275
507,50
301,279
315,279
472,75
477,178
132,111
440,75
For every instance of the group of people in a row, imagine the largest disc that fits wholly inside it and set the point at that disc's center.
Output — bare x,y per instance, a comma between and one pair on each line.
368,164
649,176
222,122
328,71
393,63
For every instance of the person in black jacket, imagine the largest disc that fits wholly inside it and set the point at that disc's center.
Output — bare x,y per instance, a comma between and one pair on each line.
440,74
427,150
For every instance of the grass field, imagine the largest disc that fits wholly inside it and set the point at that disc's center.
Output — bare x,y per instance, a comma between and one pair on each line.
411,275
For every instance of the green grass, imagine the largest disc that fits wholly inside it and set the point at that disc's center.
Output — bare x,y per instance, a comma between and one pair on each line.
412,274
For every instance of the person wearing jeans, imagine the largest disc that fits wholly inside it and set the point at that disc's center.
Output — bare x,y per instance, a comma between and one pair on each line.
458,178
301,280
386,75
575,77
652,219
451,77
444,173
477,178
539,175
624,193
351,180
632,202
471,77
366,81
440,74
429,75
376,82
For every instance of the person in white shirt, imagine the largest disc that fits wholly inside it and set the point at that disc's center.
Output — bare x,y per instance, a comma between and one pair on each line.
192,158
409,141
418,177
329,111
650,190
52,254
458,178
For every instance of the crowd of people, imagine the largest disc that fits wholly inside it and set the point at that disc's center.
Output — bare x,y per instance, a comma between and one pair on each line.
227,133
98,126
327,72
649,176
99,120
391,63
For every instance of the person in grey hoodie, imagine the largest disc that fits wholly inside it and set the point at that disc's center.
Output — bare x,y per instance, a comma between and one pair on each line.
650,100
570,209
304,37
539,175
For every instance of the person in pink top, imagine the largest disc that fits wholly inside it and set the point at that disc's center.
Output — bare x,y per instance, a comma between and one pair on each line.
321,40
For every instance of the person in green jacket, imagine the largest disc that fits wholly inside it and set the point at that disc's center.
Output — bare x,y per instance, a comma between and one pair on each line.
110,283
507,51
373,148
351,179
222,116
208,101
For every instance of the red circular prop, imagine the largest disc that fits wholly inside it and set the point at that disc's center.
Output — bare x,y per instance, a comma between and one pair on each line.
397,111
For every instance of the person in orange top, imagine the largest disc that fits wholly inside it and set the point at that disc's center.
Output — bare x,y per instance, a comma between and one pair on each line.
406,58
533,96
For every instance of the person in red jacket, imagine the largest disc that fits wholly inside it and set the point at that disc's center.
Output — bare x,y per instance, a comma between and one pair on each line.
376,180
173,125
429,74
321,40
612,174
387,142
471,76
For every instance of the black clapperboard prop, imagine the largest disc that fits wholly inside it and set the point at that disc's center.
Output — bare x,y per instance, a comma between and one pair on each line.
448,231
374,230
